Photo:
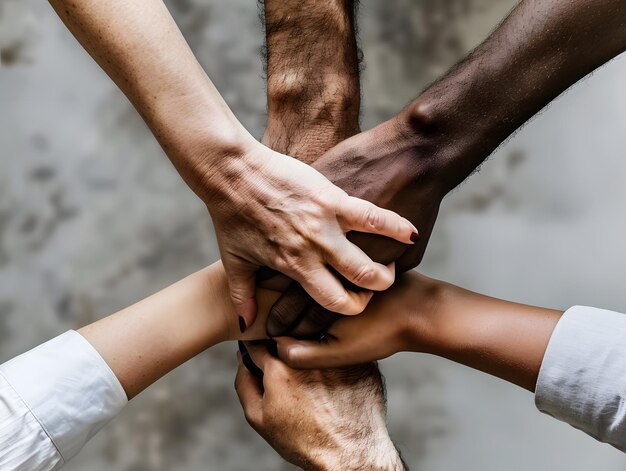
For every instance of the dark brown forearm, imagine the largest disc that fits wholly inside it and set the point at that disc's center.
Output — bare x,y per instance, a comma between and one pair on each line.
312,76
540,50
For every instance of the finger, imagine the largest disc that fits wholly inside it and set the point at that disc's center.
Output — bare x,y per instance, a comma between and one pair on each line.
312,354
329,293
287,311
316,320
354,265
250,394
241,283
259,354
265,273
362,216
248,362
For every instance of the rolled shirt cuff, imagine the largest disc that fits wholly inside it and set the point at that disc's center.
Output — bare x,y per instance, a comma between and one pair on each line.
582,380
69,389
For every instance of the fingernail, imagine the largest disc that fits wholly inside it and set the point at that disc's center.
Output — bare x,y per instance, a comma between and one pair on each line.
415,237
242,324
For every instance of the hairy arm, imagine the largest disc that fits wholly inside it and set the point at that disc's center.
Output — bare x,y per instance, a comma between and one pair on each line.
312,66
315,419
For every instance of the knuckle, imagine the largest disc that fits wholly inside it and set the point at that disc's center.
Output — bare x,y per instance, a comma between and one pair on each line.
372,218
284,315
314,228
337,302
281,263
252,417
237,296
363,275
277,371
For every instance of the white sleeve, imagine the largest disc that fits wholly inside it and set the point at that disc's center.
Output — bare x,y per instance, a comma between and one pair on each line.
582,380
53,399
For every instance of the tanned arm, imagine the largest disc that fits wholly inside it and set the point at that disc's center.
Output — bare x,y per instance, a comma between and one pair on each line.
313,103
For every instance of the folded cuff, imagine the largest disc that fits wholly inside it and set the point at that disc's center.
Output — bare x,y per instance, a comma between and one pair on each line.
582,380
69,389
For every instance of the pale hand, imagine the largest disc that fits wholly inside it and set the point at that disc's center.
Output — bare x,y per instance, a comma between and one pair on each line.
270,210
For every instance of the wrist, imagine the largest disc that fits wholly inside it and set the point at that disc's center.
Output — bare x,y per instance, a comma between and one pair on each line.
216,167
431,323
379,455
198,133
445,143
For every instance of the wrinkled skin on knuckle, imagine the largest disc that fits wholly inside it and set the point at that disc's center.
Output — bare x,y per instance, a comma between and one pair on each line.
372,219
363,275
337,302
278,373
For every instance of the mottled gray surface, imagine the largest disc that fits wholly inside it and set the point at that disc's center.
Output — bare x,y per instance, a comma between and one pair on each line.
93,217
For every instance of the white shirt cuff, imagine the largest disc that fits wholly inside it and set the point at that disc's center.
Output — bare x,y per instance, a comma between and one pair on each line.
69,389
582,380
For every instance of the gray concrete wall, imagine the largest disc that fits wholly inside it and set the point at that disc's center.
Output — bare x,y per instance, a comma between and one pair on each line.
93,217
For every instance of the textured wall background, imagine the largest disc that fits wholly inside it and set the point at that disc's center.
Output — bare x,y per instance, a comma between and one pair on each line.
93,217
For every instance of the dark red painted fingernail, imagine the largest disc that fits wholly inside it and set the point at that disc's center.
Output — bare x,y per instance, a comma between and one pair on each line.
415,237
242,324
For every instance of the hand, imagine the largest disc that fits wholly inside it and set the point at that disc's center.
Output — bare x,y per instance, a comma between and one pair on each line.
501,338
392,168
407,317
318,420
271,210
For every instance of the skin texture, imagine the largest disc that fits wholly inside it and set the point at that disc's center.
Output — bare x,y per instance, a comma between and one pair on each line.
409,163
502,338
147,340
335,418
339,435
267,208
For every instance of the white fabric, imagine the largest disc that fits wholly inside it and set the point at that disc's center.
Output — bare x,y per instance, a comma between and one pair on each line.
582,380
53,399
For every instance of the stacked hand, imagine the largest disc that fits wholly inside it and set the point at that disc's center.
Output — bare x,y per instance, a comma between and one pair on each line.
392,168
339,421
270,210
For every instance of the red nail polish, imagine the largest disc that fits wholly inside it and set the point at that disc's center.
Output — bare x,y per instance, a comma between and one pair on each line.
242,324
415,237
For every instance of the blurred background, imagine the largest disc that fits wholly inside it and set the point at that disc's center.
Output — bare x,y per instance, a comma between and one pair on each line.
93,217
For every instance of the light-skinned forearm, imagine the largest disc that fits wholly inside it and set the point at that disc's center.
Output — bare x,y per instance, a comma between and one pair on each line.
139,46
147,340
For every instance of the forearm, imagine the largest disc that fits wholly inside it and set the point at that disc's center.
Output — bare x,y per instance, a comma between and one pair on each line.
313,96
139,46
147,340
501,338
541,49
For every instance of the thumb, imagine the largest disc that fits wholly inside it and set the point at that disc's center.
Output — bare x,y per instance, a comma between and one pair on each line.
312,354
242,284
